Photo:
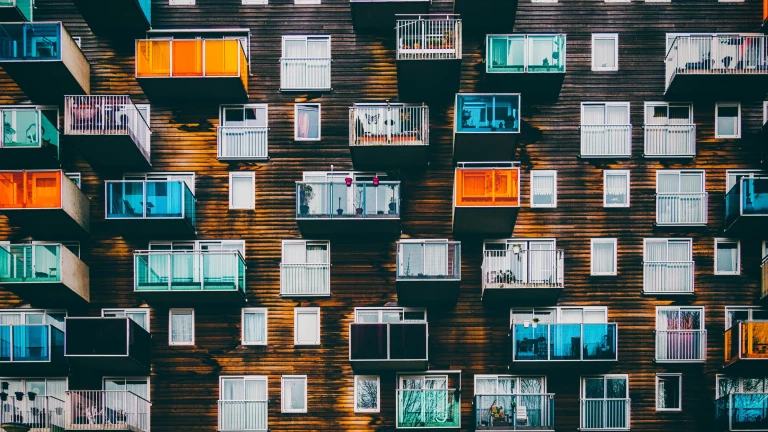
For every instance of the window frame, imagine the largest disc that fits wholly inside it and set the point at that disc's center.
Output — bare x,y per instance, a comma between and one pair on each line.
305,38
242,174
296,123
283,379
737,272
181,2
170,326
245,378
679,391
545,173
626,173
246,310
615,37
765,112
738,119
255,2
582,390
130,310
612,240
378,393
305,310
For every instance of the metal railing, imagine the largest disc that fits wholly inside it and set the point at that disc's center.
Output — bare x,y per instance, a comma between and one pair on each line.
681,345
431,261
389,341
564,342
530,53
40,413
606,140
305,279
428,37
106,410
388,124
741,412
31,343
515,411
243,142
681,208
428,408
746,198
185,270
30,263
149,199
242,415
605,414
746,340
670,140
523,269
336,200
668,277
305,73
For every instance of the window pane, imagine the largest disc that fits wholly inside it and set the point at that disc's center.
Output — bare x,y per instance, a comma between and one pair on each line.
668,392
242,192
604,55
307,327
181,326
616,388
727,257
254,327
603,257
594,388
616,186
308,122
543,189
367,393
727,120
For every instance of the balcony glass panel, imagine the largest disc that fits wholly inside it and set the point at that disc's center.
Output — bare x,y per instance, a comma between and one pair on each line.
428,408
189,271
136,199
528,411
747,340
525,53
30,189
748,197
487,187
25,128
24,6
27,263
327,200
555,342
487,113
30,41
388,341
742,412
428,260
30,343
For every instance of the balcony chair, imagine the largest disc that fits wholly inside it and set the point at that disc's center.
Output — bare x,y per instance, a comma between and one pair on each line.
521,416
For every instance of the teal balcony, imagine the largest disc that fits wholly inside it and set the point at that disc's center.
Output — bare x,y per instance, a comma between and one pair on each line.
742,412
202,276
486,126
522,53
746,206
532,342
31,348
428,408
120,19
151,207
16,10
30,137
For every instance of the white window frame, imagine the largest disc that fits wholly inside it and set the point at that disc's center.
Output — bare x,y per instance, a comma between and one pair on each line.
170,326
306,2
181,2
242,174
378,393
765,111
748,309
679,391
245,378
129,310
296,121
305,38
242,326
738,256
305,310
543,1
255,2
615,37
282,393
545,173
741,173
625,173
614,241
738,119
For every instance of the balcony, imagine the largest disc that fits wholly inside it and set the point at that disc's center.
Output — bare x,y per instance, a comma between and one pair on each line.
486,199
325,208
746,206
212,276
728,66
241,415
681,346
389,346
305,74
741,412
106,410
110,131
606,141
31,137
379,15
486,127
151,208
668,277
388,135
44,274
46,203
746,343
428,272
535,342
670,141
428,409
41,414
680,209
123,19
190,68
243,143
529,63
31,349
523,276
112,345
605,414
305,280
16,10
44,60
511,412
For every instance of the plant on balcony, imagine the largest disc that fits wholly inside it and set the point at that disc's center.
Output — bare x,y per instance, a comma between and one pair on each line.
535,322
392,205
307,194
31,395
359,206
19,395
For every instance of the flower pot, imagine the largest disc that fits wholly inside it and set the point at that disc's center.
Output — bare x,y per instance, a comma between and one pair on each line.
339,211
392,207
304,209
19,395
3,396
31,395
359,211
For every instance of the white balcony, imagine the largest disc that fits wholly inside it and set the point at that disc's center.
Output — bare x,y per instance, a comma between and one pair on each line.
428,37
516,275
106,410
605,414
681,345
239,415
681,208
305,74
606,140
668,277
242,142
670,140
305,280
43,414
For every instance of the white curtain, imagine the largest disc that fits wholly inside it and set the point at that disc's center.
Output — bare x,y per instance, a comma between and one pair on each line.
543,188
254,327
295,393
242,192
605,53
603,257
616,186
593,115
541,48
181,326
436,259
516,53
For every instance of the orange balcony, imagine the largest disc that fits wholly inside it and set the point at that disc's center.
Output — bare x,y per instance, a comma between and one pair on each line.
44,202
486,198
747,341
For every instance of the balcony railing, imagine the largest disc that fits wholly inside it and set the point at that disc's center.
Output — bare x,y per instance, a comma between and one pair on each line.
487,187
305,74
106,410
388,341
30,189
41,414
28,128
605,414
335,200
25,7
717,54
677,140
243,142
428,37
746,340
564,342
31,343
241,415
606,140
741,412
184,271
681,208
523,269
30,263
115,344
428,261
681,345
150,199
525,53
748,197
487,113
427,408
515,411
388,124
668,277
305,279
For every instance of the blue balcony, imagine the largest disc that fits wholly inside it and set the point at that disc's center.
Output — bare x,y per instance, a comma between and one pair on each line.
742,412
522,53
30,348
533,342
151,207
120,19
486,126
16,10
746,206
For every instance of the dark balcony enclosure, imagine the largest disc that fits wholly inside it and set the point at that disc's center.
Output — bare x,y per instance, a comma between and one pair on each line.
114,345
388,345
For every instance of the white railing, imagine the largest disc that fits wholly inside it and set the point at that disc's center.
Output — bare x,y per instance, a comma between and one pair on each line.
681,345
106,115
524,269
428,37
305,74
44,412
106,410
305,279
236,415
606,140
670,140
725,54
681,208
668,277
605,414
388,124
243,142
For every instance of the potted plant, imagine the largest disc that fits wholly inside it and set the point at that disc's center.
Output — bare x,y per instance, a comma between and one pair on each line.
3,396
392,205
31,395
19,395
535,322
526,323
339,210
359,208
307,194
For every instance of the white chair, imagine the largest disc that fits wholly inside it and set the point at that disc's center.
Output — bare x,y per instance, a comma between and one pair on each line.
521,415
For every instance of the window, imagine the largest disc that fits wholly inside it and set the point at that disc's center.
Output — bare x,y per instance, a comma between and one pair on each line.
255,2
305,269
243,132
367,395
765,112
733,177
727,120
54,318
241,190
669,130
181,327
605,52
680,334
727,257
254,326
294,393
744,313
601,394
615,188
309,2
728,385
668,392
388,315
306,326
138,386
543,188
668,265
243,402
604,257
307,126
55,387
510,391
306,63
181,2
138,315
681,198
187,178
605,129
566,315
522,261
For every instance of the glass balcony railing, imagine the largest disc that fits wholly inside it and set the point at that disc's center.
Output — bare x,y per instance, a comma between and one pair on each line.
30,343
146,8
150,199
525,53
171,271
428,37
487,113
30,42
668,277
336,200
746,340
23,6
243,415
487,187
388,124
564,342
29,128
388,341
515,411
30,189
30,263
742,412
428,260
748,197
428,408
